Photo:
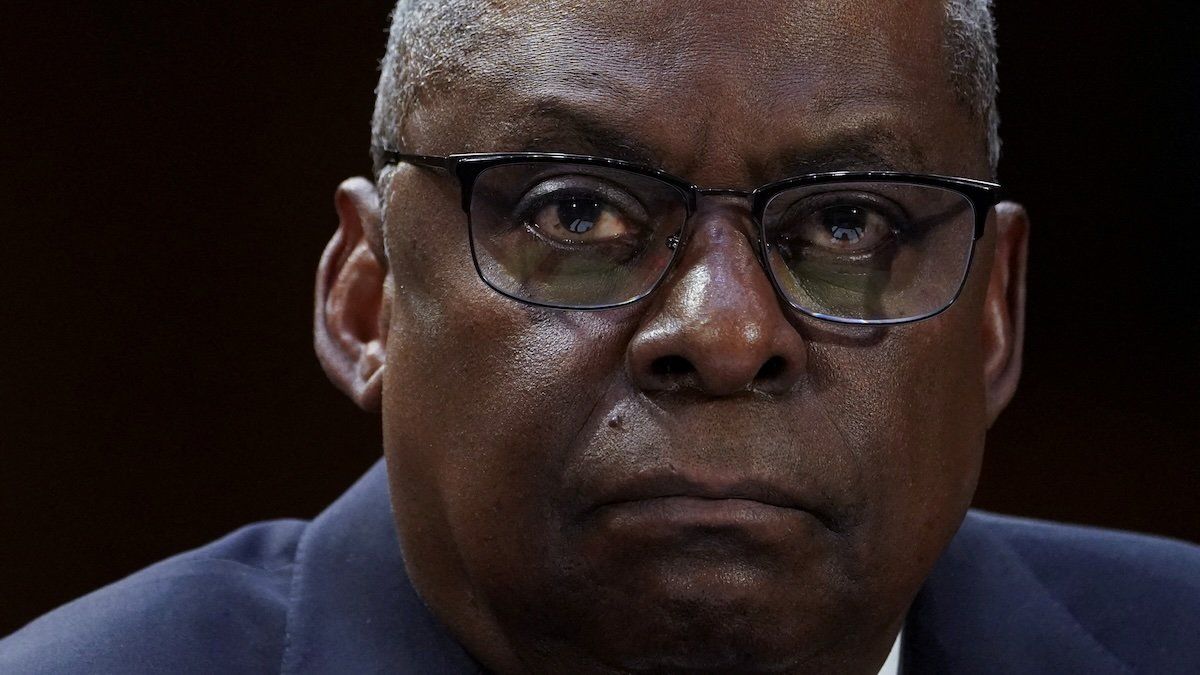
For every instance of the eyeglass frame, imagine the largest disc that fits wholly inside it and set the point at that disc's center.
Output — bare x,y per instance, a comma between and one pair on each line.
467,167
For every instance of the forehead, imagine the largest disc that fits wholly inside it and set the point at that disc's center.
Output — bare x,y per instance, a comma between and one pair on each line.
706,87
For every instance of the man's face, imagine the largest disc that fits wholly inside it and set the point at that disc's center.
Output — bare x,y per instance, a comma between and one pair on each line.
705,479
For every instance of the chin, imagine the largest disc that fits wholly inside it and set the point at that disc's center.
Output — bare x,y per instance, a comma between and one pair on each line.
713,615
709,637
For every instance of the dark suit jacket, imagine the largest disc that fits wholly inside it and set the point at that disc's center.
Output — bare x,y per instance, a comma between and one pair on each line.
331,596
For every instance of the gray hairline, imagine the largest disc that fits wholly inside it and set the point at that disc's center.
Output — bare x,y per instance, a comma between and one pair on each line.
427,38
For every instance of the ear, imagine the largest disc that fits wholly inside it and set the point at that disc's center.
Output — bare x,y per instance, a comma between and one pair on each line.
1004,308
351,313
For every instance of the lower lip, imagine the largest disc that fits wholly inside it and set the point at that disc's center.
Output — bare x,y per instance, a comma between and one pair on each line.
700,513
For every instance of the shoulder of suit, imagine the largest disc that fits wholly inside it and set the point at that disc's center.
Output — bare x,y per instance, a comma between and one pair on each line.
219,608
1139,558
1135,593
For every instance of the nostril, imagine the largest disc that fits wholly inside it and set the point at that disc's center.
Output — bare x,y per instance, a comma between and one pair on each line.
771,369
671,365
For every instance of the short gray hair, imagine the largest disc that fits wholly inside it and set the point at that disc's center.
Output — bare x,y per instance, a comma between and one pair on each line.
971,48
428,38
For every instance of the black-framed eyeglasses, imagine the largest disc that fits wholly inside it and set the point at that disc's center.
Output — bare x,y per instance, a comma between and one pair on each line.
582,232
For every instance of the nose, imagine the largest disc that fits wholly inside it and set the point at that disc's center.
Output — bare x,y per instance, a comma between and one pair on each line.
716,326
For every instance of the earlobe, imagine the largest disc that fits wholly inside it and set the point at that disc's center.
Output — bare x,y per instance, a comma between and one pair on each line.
351,306
1004,308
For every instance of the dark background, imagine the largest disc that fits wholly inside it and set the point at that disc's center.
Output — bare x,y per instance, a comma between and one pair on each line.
167,182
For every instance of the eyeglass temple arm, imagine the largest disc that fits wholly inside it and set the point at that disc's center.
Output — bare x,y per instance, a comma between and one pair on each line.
389,157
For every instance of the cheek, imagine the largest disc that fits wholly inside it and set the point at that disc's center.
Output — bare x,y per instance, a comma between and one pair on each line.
913,410
914,400
480,408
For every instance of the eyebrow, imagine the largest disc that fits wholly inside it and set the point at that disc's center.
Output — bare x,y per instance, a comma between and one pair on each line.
559,128
873,147
555,126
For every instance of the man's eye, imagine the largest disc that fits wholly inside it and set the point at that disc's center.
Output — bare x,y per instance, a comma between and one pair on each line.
842,228
580,220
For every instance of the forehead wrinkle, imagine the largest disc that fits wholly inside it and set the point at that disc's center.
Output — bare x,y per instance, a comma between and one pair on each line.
576,105
598,93
851,140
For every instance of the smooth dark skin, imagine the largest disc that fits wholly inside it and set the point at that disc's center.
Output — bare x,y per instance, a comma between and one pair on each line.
505,426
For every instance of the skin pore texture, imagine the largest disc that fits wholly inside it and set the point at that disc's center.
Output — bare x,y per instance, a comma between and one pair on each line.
565,503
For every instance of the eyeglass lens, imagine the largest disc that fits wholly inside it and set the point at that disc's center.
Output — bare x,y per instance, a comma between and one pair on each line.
573,235
869,250
584,236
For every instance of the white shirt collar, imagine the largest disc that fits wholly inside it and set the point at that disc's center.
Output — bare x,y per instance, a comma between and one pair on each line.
892,665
